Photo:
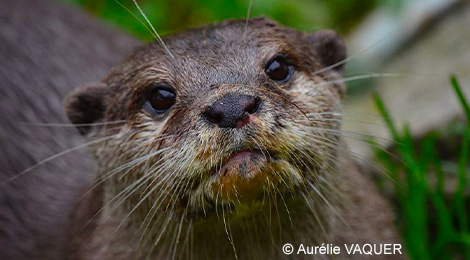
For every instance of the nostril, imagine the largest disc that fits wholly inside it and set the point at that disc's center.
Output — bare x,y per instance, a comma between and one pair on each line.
254,105
213,116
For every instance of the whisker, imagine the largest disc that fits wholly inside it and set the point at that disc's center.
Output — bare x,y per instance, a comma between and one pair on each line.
349,134
247,18
229,234
153,29
359,77
128,190
177,237
314,211
355,55
325,120
339,113
325,200
71,125
50,158
135,162
137,18
415,74
162,231
188,237
327,142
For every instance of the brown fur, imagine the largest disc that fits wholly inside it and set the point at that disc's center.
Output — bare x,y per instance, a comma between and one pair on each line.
162,202
46,50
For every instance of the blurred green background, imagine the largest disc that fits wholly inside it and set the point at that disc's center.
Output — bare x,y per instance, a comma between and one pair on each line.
175,15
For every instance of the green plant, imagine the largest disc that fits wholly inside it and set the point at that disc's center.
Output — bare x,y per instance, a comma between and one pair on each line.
433,225
175,15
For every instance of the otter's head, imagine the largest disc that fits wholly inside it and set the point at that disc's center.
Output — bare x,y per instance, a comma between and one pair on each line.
235,113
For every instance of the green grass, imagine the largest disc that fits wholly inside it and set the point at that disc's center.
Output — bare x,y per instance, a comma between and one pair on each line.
169,16
434,223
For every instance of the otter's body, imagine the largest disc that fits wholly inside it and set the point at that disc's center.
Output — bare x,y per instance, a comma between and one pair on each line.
227,144
46,49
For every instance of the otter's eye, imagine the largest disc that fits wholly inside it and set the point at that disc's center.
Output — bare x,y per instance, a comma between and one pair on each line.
161,98
278,70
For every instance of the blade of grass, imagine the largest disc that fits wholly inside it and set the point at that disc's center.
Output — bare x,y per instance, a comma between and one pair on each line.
463,101
444,228
459,196
388,120
416,208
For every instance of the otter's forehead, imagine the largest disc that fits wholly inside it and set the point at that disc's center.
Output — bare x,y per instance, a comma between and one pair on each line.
232,52
233,37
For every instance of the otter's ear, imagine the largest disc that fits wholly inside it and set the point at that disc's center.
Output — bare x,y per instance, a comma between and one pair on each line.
329,47
85,105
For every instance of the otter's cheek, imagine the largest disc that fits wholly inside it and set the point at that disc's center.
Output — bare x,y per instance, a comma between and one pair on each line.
242,178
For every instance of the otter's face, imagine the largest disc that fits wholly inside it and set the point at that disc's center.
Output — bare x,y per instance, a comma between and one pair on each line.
233,115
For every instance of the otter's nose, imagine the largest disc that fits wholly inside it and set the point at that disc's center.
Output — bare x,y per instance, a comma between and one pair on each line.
232,111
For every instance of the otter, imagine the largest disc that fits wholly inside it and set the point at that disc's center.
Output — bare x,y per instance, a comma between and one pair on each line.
224,143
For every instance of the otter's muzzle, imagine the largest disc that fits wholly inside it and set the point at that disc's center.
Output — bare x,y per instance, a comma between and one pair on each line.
232,111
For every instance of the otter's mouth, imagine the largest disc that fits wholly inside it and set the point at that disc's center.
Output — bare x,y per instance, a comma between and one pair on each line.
243,176
243,162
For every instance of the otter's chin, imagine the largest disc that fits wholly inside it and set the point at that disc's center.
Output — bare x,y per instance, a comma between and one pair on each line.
243,177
